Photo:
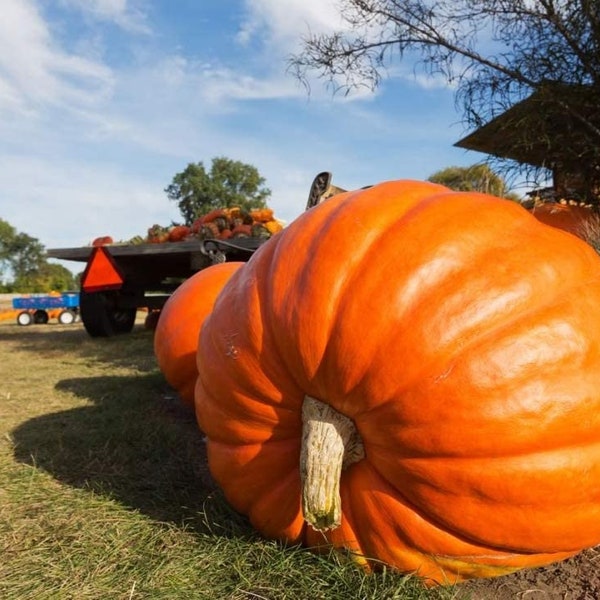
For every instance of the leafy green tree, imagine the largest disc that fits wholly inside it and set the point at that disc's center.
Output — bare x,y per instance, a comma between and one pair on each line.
19,253
23,264
7,235
27,256
476,178
228,183
47,277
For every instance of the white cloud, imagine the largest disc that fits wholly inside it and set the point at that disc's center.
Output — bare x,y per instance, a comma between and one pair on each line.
225,84
35,72
407,72
281,26
127,14
275,30
90,148
283,23
68,203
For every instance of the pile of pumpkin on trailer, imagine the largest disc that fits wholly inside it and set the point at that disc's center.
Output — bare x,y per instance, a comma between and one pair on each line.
219,223
424,393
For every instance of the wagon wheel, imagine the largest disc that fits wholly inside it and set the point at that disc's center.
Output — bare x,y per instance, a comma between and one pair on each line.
40,317
24,318
66,317
102,316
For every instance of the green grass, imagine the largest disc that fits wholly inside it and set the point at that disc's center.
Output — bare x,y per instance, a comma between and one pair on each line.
105,492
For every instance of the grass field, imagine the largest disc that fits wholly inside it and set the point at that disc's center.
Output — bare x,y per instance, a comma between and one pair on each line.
105,493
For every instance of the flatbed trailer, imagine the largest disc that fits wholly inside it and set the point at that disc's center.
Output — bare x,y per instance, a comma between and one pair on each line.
120,279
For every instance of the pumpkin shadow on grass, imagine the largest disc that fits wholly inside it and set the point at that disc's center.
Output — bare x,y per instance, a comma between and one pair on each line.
142,449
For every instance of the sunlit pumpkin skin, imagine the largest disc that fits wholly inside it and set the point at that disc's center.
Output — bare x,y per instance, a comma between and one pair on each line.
462,338
178,327
563,216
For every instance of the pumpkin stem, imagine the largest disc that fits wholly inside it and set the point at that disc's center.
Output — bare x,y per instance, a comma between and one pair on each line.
330,443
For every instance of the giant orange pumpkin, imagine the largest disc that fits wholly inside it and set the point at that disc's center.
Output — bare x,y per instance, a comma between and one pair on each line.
434,354
178,327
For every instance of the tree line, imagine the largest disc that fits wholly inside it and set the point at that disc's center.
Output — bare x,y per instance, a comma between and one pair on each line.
24,267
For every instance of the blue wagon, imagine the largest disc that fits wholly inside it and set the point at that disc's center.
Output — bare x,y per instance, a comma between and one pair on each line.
40,308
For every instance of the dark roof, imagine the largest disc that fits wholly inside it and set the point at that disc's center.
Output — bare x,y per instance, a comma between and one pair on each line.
537,130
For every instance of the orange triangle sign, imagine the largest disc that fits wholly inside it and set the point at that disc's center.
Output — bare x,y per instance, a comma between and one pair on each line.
101,272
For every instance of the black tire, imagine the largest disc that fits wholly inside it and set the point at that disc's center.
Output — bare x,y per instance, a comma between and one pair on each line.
66,317
40,317
151,320
24,318
101,315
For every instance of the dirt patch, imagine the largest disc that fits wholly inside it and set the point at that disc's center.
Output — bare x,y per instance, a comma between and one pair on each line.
575,579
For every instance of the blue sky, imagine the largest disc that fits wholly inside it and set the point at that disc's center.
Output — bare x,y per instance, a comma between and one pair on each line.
102,102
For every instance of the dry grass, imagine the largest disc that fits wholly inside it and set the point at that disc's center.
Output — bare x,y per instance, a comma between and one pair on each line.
589,230
104,490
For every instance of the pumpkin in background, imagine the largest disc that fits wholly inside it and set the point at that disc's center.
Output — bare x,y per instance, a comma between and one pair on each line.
178,233
568,217
447,347
179,324
102,240
157,234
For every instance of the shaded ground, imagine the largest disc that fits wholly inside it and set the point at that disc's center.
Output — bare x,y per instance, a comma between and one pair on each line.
575,579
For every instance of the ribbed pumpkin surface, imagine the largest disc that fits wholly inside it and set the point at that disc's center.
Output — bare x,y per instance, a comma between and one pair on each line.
460,335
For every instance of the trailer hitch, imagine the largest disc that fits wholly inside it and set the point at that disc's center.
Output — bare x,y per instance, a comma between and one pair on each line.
211,249
215,249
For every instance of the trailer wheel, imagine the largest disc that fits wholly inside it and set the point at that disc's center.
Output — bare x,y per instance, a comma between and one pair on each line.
40,317
66,317
24,318
101,315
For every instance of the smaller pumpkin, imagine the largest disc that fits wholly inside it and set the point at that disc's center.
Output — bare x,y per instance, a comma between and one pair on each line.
213,215
196,225
102,241
208,231
273,226
177,233
178,328
157,234
262,215
222,223
240,216
241,231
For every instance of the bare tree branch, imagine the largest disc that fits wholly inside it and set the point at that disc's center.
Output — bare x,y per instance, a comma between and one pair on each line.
495,52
